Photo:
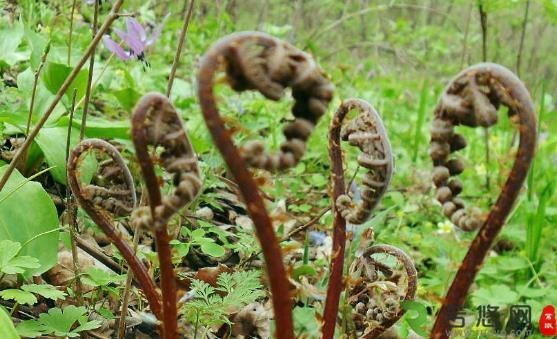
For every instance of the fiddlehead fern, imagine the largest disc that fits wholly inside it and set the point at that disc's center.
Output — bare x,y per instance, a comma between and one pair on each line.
366,131
471,99
376,302
156,123
257,61
117,200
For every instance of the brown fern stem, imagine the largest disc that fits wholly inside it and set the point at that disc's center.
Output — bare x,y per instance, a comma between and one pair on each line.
225,48
511,92
366,131
167,281
102,219
334,288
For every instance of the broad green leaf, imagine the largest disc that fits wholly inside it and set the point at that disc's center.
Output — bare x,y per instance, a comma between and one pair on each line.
10,262
416,316
97,277
44,290
10,39
59,322
127,97
43,98
305,319
500,295
55,74
100,128
37,42
52,142
212,249
19,225
512,263
307,270
21,297
7,326
30,329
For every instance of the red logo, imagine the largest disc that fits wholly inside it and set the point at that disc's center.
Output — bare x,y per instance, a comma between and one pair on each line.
547,321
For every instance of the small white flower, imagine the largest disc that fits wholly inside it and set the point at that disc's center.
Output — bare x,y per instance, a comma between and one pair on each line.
445,227
480,169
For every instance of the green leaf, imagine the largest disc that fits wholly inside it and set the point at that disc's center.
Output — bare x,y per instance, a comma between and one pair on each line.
500,295
59,322
416,316
52,142
19,225
307,270
512,263
43,98
30,329
7,326
55,74
10,262
44,290
305,319
127,97
21,297
97,277
212,249
10,39
100,128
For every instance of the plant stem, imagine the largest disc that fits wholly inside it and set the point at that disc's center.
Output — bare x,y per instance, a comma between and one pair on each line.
71,32
334,288
181,40
100,256
127,289
247,186
483,24
72,212
111,17
465,37
89,76
32,104
498,213
102,220
522,34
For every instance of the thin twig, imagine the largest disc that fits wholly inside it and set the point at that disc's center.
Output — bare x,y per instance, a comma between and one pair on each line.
483,24
465,37
72,212
129,278
33,94
181,40
522,35
89,88
113,15
127,289
97,254
71,32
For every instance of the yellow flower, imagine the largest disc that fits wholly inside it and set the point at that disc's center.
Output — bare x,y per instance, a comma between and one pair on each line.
445,227
494,139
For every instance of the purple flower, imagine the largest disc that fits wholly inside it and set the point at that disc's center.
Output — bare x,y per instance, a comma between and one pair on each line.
135,39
